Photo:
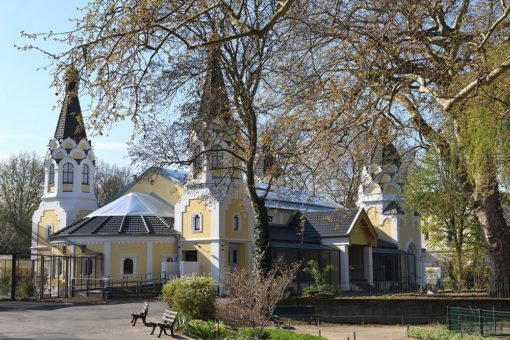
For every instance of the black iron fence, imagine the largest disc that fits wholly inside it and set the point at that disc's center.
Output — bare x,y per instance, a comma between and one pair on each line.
478,321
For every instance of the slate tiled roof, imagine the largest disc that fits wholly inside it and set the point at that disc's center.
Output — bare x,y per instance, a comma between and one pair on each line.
316,225
214,102
385,154
327,224
119,225
70,121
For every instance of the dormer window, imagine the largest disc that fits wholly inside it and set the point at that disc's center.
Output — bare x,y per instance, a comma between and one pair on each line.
85,174
237,223
196,223
68,174
51,179
216,157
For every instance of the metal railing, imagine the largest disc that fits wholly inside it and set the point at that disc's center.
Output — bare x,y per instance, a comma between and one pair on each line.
120,285
478,321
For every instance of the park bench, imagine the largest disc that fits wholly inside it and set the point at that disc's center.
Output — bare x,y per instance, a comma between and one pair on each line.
168,320
140,315
294,312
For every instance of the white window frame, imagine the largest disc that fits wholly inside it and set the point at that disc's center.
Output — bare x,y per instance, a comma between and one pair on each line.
238,223
201,220
125,257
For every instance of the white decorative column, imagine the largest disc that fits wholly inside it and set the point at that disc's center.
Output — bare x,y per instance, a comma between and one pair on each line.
368,264
344,267
106,259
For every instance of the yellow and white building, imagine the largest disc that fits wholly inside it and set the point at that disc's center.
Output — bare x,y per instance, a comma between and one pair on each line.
169,222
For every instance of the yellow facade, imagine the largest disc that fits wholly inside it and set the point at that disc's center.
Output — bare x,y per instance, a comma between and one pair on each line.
49,218
361,235
161,251
161,186
204,255
194,207
67,187
236,207
136,251
85,188
408,231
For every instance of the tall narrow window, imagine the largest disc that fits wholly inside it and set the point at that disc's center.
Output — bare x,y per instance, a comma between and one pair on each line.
216,157
85,174
68,174
128,267
236,223
51,180
49,231
197,223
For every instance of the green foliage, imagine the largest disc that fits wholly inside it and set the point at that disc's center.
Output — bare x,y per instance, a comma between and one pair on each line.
5,285
321,286
191,296
432,189
277,334
254,333
200,329
26,288
441,333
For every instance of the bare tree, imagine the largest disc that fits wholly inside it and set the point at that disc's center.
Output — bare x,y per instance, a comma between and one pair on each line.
252,298
110,179
21,188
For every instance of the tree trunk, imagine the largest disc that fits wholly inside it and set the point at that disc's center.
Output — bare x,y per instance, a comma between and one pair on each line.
488,210
262,254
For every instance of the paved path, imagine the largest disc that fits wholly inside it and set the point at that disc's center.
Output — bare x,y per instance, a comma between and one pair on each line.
344,332
45,320
35,320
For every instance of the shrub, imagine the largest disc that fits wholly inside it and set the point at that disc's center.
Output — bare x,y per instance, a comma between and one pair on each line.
26,288
321,286
5,285
251,298
205,329
191,296
277,334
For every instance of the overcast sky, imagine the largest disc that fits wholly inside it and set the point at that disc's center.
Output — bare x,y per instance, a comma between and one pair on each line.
28,115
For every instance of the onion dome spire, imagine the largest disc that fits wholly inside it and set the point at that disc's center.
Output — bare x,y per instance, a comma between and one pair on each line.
70,121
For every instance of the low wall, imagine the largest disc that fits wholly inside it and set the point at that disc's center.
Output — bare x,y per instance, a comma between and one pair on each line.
393,310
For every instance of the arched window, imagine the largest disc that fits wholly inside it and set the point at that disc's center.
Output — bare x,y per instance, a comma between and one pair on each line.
128,266
85,174
196,223
237,223
51,179
49,231
68,174
216,157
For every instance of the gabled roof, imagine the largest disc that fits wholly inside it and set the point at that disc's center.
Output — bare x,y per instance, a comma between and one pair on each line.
70,121
330,224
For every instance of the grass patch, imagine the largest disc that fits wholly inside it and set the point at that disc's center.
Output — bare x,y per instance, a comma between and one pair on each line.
277,334
441,333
